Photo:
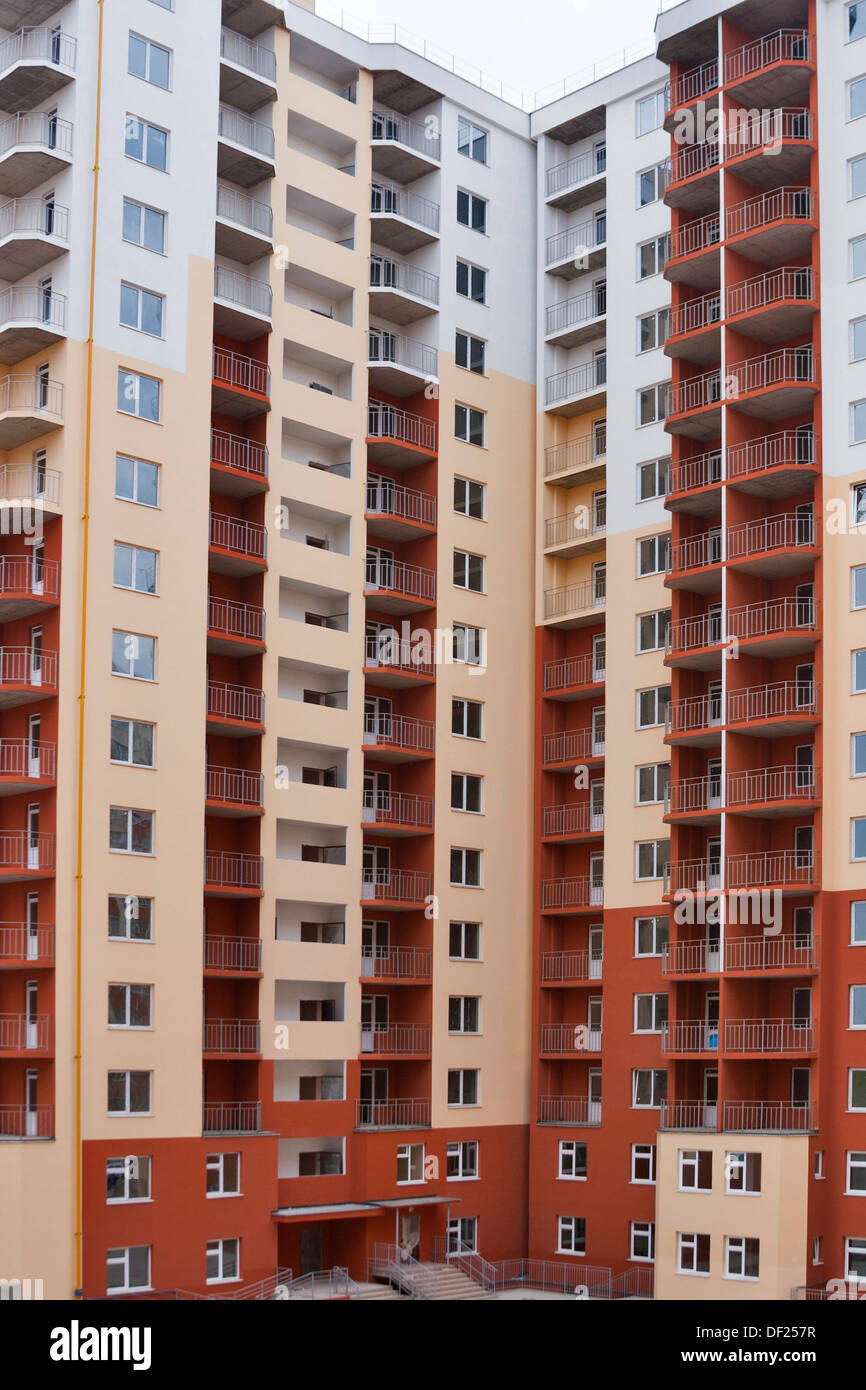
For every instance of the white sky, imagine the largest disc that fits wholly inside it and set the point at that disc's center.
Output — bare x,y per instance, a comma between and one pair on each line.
527,44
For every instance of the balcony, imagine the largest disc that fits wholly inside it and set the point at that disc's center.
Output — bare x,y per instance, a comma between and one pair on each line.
694,330
577,390
401,292
575,605
777,627
577,249
775,464
695,406
30,406
399,737
28,584
695,562
242,305
767,1117
696,720
694,255
235,709
403,149
34,148
398,813
793,954
573,676
400,220
573,745
571,894
232,955
392,1114
396,963
26,1121
690,1115
398,437
773,791
778,709
579,1111
571,967
770,145
691,86
234,628
24,1033
576,460
397,512
768,1035
773,226
32,319
241,463
695,642
398,365
32,233
26,674
690,1037
35,63
692,876
24,944
391,661
566,1038
690,481
233,791
232,1117
244,225
248,72
245,149
396,587
577,320
696,799
693,177
241,385
236,546
396,1040
770,69
398,888
775,306
788,869
229,1037
227,874
577,181
576,532
574,821
25,765
29,487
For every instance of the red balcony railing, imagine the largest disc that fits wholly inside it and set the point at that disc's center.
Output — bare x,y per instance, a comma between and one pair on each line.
768,1035
571,671
243,537
232,953
24,941
761,784
245,373
560,966
399,731
568,893
773,286
397,962
569,1110
782,46
392,1114
241,702
398,808
389,422
25,1033
227,869
232,1117
571,745
231,1035
578,818
776,205
396,1038
396,885
235,785
235,619
234,451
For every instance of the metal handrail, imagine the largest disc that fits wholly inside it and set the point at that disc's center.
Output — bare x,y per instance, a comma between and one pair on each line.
34,392
29,574
393,1114
587,236
394,652
232,1117
753,130
241,129
768,1035
575,381
572,670
575,818
321,1283
229,869
702,470
571,527
773,616
24,849
36,128
771,952
691,85
236,619
786,448
762,784
696,392
242,702
572,745
396,962
397,1039
759,291
235,451
17,938
237,534
418,135
690,1035
396,576
26,215
568,1037
39,43
396,349
783,45
26,1121
30,483
238,207
773,700
590,164
399,731
33,302
20,757
239,370
767,1117
569,1110
580,308
775,205
231,1035
696,552
242,290
571,965
25,666
234,784
388,422
387,498
397,808
574,453
695,712
25,1032
788,531
396,885
232,953
575,598
693,314
390,273
565,893
692,160
770,868
246,53
389,200
695,236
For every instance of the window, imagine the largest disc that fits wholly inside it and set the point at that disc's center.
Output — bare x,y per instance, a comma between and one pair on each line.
857,20
650,112
651,629
649,1088
139,395
858,497
463,1087
572,1235
855,1257
858,923
147,143
471,140
652,256
650,1012
653,402
462,1160
742,1257
652,706
470,352
144,226
150,61
462,1235
133,656
858,672
469,424
472,282
466,718
743,1172
471,211
142,309
650,935
130,1006
410,1163
858,755
651,858
464,1013
464,941
127,1268
856,1174
136,481
130,832
129,1092
651,184
696,1170
469,571
466,868
652,330
693,1253
857,177
653,479
132,742
857,1006
819,1163
466,792
858,838
222,1260
223,1175
857,258
857,339
654,554
857,98
468,644
134,568
469,498
643,1240
130,918
127,1179
857,1088
653,780
572,1159
643,1163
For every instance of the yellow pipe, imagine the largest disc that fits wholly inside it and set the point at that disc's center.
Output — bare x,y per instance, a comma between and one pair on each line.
88,438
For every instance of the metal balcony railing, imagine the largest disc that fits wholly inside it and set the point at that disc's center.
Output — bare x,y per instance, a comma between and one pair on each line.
695,314
388,273
792,204
28,666
781,46
572,670
693,794
785,449
691,160
234,784
790,952
569,1110
762,784
756,129
577,240
234,533
242,130
703,470
32,303
399,731
387,498
396,962
26,941
34,217
232,1117
768,1035
572,745
569,1037
688,1115
575,381
773,868
227,701
19,757
27,483
695,236
232,953
25,1032
773,286
692,85
388,422
246,53
396,1038
234,451
692,714
581,308
396,885
772,617
234,619
395,349
29,574
589,165
558,966
392,1114
575,453
767,1117
240,208
393,652
696,393
691,958
571,527
688,634
568,893
395,576
788,531
391,125
32,129
575,598
690,1035
40,44
576,818
245,373
242,290
777,699
27,850
397,808
696,552
231,1035
25,393
388,200
227,869
26,1121
693,875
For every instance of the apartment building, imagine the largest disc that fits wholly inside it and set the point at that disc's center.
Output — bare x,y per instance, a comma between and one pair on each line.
427,562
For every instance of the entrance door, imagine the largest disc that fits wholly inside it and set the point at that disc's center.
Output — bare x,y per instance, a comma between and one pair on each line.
714,863
373,1095
594,1111
711,1021
410,1235
31,1121
711,1098
596,805
311,1249
596,952
33,758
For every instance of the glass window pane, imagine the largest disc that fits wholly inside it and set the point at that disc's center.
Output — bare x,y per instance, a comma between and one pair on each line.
151,313
131,221
134,138
129,306
123,565
137,56
157,147
154,230
159,65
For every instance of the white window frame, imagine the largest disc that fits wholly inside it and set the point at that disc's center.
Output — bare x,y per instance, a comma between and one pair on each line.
661,244
855,903
658,860
659,548
463,925
855,570
409,1154
568,1149
457,1149
221,1243
472,200
129,811
852,1108
137,464
464,851
687,1243
142,209
466,556
464,123
658,170
120,1256
463,1072
472,271
146,126
466,702
652,1156
660,783
660,319
137,637
127,1072
657,919
660,391
136,551
127,1026
737,1169
123,1166
642,1231
470,483
657,1024
659,704
655,1102
215,1163
735,1246
463,1001
136,378
655,100
139,291
474,641
661,619
468,777
131,909
567,1236
150,45
662,472
855,822
131,726
469,412
690,1159
852,989
853,242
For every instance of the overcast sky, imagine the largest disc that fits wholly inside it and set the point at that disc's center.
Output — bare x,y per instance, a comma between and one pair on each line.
528,46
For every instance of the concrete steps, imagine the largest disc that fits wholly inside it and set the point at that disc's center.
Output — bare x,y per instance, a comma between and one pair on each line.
444,1281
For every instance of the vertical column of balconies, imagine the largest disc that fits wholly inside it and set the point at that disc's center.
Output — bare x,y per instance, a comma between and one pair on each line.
237,561
744,493
399,659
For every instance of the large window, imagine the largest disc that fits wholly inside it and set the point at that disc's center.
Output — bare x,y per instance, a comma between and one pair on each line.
463,1087
129,1092
653,780
650,935
653,554
132,742
134,568
469,498
127,1179
142,309
642,1244
649,1088
223,1260
643,1163
136,481
471,211
696,1170
131,831
470,352
742,1257
146,143
130,1006
743,1171
466,718
127,1268
139,395
462,1160
149,61
651,630
469,424
410,1163
133,655
144,226
693,1253
572,1159
469,571
650,112
223,1175
471,140
653,479
652,255
652,706
652,403
651,858
651,183
130,918
471,282
650,1012
464,941
466,868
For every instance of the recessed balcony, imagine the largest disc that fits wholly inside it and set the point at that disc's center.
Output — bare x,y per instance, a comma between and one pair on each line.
577,460
695,642
693,177
232,955
231,1037
573,745
568,895
236,710
397,813
693,1116
394,586
242,304
398,437
790,870
775,226
572,822
396,1040
695,406
694,484
772,69
26,674
780,1036
694,257
577,181
400,366
776,627
577,390
773,545
403,149
401,220
235,628
390,660
775,306
32,233
35,63
26,854
576,320
244,226
770,146
248,72
792,954
564,1039
29,488
396,888
697,800
577,532
21,1034
774,465
245,148
690,1037
231,1117
392,1114
696,721
26,766
689,88
575,605
573,677
397,964
580,1111
398,737
24,944
241,463
578,249
694,329
399,513
30,406
780,709
233,791
767,1117
236,546
571,967
28,584
228,874
401,292
26,1121
35,148
769,792
696,562
241,385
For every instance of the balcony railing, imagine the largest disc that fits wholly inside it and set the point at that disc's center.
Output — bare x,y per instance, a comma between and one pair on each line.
569,1110
691,160
575,598
234,784
32,303
703,470
572,670
33,217
764,952
577,818
696,552
692,85
36,129
388,273
41,44
29,574
243,130
767,1117
26,1121
26,483
569,1037
755,130
28,666
386,199
782,46
695,393
590,164
388,422
695,314
768,1035
241,702
395,349
576,241
234,206
773,286
691,958
397,654
392,1114
773,616
693,876
784,532
396,1038
25,1032
690,1035
572,527
390,125
396,885
573,745
246,53
695,713
27,850
232,1117
568,893
581,308
773,868
242,290
785,449
395,576
399,731
559,966
776,700
693,794
26,393
19,757
396,962
235,619
397,808
772,784
232,953
234,533
234,451
227,869
389,499
776,205
688,1115
231,1035
245,373
699,235
575,381
575,453
26,941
